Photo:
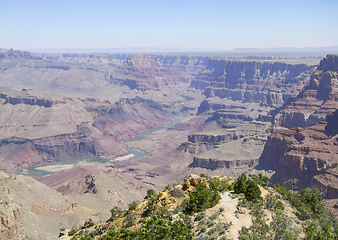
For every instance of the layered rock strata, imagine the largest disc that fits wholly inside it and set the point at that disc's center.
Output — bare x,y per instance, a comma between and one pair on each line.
72,129
144,73
316,100
269,83
308,155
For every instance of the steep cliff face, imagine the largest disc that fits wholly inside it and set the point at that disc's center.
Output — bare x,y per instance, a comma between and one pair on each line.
305,154
316,100
269,83
144,73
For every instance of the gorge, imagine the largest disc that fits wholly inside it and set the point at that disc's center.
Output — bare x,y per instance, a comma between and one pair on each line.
235,116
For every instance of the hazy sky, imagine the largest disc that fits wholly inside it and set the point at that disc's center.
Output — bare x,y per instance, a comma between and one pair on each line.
218,24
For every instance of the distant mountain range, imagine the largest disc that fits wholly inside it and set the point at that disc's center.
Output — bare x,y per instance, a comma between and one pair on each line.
309,50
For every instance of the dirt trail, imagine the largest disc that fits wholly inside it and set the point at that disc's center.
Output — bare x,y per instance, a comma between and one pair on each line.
229,214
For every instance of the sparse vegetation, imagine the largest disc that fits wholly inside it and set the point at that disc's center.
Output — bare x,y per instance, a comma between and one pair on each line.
186,218
88,223
133,205
177,192
153,228
261,180
202,198
116,212
73,231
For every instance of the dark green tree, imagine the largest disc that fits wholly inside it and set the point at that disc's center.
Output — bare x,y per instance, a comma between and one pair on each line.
240,184
252,193
202,198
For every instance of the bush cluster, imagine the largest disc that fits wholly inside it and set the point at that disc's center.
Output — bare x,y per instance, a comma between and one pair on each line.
248,187
154,228
202,198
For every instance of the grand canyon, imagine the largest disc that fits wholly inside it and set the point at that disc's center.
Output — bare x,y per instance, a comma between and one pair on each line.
83,133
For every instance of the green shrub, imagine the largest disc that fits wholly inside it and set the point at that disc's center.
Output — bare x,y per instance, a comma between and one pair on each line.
252,193
116,212
73,231
88,223
153,228
240,184
202,228
199,216
210,222
150,193
216,184
202,198
214,216
133,205
261,180
202,236
177,192
273,203
129,221
86,237
248,187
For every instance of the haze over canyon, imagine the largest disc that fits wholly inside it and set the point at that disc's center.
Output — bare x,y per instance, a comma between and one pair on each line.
81,133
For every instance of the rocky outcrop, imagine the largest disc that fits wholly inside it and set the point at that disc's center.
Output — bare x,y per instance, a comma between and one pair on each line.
191,181
208,105
91,186
317,100
16,54
9,214
213,138
269,83
25,97
327,183
301,153
214,164
331,127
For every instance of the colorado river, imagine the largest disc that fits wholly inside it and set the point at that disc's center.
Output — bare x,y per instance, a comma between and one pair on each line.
139,153
47,169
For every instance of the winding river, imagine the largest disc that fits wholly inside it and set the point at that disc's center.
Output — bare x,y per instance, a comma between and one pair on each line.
36,171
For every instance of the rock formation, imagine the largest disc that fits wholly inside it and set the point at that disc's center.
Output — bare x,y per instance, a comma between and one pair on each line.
316,100
32,133
308,154
269,83
308,150
143,73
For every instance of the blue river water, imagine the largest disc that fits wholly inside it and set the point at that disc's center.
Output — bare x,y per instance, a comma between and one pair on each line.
34,172
139,153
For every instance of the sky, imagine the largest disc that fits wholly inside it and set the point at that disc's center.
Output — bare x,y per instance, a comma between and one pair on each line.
186,24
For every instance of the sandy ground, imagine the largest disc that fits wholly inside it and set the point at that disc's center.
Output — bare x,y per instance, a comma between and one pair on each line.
56,168
229,214
122,158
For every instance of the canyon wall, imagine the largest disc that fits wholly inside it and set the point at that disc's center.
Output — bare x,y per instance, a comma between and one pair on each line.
308,150
144,73
72,129
269,83
318,99
304,154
